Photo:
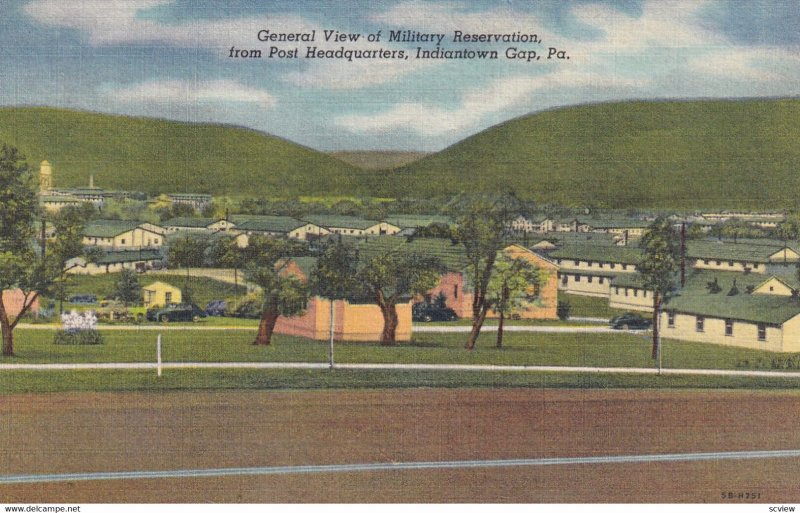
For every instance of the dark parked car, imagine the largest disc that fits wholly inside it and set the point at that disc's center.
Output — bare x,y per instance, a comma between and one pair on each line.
428,312
629,321
216,308
176,312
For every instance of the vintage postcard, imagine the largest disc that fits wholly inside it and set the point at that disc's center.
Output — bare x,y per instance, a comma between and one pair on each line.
399,251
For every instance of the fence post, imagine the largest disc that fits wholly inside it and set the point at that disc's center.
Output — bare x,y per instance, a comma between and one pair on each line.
158,355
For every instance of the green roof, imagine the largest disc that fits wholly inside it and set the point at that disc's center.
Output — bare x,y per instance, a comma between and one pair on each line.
566,238
739,252
108,228
695,298
191,222
453,256
270,224
306,264
327,221
59,198
115,257
417,221
598,253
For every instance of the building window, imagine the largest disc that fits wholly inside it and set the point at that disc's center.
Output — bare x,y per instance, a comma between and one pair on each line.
670,319
577,278
122,242
644,293
558,261
589,279
705,262
635,292
728,328
613,265
168,297
455,291
624,267
762,331
616,291
577,262
719,262
589,263
730,264
700,323
626,291
601,280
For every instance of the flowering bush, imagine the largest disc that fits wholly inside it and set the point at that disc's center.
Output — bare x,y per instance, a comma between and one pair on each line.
78,329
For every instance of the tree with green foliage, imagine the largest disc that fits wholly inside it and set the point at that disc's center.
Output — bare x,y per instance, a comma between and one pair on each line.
514,283
335,278
187,252
27,264
658,267
128,288
282,293
389,277
482,223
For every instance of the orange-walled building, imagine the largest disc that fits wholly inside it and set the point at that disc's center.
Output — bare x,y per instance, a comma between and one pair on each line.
13,301
353,322
452,285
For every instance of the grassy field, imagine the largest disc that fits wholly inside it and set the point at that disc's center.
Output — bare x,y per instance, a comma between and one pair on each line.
102,285
670,154
587,306
160,156
562,349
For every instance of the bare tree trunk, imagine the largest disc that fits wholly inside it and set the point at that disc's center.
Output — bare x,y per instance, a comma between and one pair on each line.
500,330
8,332
266,327
389,334
656,313
477,324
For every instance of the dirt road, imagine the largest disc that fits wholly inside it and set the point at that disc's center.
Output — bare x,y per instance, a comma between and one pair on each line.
91,432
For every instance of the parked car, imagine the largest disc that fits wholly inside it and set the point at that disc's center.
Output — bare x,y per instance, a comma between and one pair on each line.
216,308
83,299
428,312
176,312
629,321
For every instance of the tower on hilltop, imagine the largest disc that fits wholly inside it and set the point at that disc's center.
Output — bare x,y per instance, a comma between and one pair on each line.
45,176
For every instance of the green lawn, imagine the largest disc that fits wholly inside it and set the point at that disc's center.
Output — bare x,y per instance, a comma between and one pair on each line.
586,306
566,349
123,381
561,349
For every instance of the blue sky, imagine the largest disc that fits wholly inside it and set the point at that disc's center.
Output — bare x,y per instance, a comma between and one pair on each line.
169,58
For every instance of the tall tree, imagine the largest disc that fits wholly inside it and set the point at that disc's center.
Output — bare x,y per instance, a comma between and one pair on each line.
514,283
128,288
389,277
187,252
282,294
658,267
482,223
27,264
335,278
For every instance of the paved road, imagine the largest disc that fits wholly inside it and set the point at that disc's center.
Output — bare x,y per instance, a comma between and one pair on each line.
391,366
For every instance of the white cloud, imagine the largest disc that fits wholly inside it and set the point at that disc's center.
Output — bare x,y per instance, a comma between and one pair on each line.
475,105
448,16
109,22
662,24
180,92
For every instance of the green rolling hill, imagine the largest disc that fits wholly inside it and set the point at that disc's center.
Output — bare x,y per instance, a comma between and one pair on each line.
679,154
666,154
160,156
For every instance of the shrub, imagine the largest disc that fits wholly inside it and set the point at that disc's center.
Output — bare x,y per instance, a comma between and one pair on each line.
79,337
563,310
